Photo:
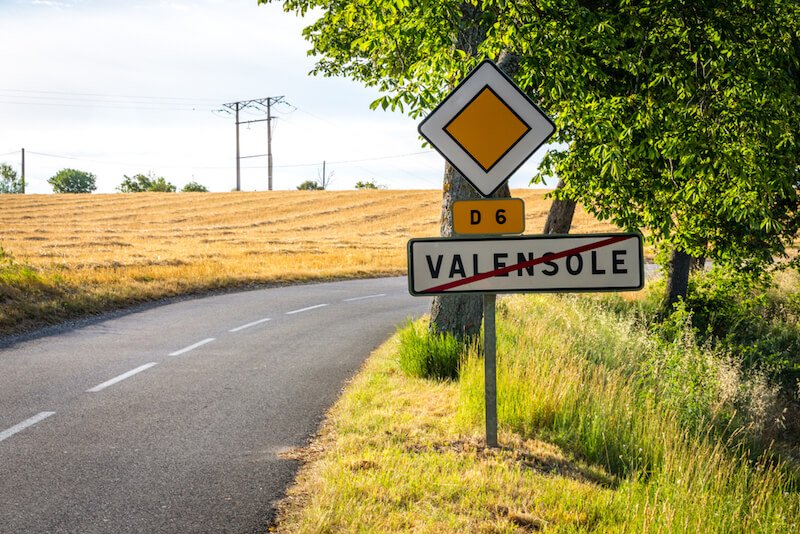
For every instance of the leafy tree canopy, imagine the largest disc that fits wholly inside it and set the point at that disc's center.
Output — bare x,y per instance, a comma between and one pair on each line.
139,183
73,181
194,187
681,118
310,185
9,181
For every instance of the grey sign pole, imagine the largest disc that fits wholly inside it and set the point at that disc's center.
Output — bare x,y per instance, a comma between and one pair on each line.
490,367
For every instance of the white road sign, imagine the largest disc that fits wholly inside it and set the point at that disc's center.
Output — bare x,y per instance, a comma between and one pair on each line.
542,263
486,127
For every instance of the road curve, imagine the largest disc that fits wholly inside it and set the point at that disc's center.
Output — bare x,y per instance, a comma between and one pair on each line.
170,419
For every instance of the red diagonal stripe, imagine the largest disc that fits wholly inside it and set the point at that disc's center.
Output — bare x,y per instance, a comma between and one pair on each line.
529,263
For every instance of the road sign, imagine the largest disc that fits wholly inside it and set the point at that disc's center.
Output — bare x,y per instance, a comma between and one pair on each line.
542,263
486,127
489,216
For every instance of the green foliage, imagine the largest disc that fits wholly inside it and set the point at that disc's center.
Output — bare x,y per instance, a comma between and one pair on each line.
10,183
160,185
139,183
366,184
756,321
73,181
680,118
194,187
310,185
668,134
574,372
687,378
427,355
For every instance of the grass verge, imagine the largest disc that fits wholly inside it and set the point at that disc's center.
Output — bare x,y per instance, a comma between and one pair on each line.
392,458
593,440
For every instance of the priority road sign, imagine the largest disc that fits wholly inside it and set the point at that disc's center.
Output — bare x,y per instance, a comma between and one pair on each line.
486,127
489,216
541,263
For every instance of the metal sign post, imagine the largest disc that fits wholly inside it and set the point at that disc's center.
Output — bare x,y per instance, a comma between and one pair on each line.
490,368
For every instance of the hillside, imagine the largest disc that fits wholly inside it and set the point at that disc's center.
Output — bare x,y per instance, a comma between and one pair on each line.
64,256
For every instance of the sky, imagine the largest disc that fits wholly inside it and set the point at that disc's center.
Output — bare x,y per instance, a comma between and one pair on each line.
120,88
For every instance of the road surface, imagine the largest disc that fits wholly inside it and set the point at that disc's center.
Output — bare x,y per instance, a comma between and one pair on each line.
171,419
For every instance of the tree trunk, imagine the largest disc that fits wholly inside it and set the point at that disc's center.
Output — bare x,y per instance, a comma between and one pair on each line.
678,278
460,315
559,218
698,263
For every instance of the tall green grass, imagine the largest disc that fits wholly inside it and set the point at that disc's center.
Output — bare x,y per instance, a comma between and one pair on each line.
426,355
663,416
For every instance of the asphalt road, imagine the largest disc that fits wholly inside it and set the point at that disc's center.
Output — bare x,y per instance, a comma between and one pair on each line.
170,419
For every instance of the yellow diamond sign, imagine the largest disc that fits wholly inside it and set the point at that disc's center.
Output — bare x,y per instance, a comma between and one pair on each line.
486,128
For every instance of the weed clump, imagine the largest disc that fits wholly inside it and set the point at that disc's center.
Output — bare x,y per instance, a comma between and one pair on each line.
424,354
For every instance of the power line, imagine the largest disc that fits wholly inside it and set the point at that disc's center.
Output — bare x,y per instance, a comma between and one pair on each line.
99,106
102,101
213,167
62,157
101,95
362,160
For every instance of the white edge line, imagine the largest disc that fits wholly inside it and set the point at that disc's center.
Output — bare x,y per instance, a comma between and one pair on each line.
365,297
120,378
25,424
248,325
306,309
192,347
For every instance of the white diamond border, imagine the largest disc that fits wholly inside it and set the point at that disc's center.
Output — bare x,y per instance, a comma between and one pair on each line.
487,73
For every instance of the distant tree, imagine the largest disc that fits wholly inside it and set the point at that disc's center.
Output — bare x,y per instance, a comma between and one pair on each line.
73,181
366,185
139,183
9,181
310,185
194,187
160,185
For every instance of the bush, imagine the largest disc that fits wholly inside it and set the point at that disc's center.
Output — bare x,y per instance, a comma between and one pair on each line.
73,181
310,185
194,187
757,322
139,183
427,355
366,184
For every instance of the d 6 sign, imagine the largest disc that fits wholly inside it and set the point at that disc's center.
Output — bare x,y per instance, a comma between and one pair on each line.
488,217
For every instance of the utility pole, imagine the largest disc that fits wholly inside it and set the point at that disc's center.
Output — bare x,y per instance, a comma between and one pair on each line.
326,179
259,104
269,145
238,159
23,171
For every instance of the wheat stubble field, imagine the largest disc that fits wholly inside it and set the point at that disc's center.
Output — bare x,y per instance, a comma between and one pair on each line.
66,256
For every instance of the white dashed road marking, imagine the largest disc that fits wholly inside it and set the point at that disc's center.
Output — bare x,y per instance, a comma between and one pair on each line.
366,297
248,325
192,347
306,309
41,416
120,378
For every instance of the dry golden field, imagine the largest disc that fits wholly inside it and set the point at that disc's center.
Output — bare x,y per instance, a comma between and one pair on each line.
71,255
